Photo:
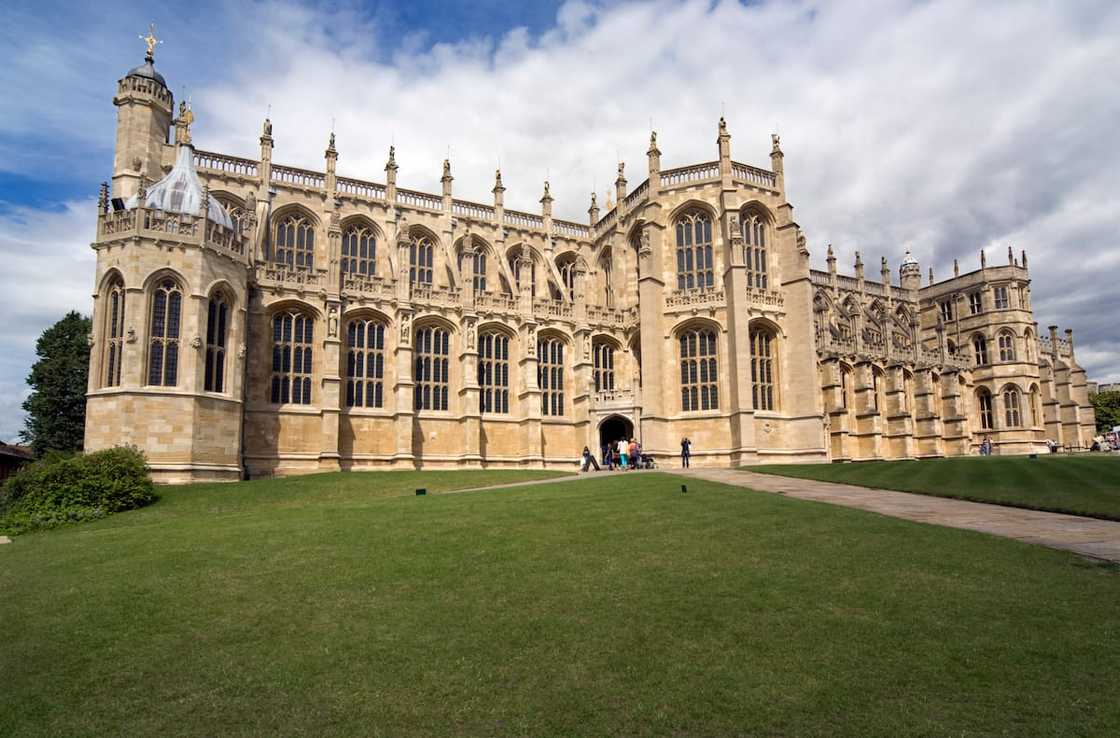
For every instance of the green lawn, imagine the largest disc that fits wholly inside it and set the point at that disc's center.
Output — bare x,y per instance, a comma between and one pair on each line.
1080,485
610,606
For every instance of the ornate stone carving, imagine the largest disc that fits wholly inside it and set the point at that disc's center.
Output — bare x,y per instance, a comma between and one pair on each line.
196,342
130,334
332,321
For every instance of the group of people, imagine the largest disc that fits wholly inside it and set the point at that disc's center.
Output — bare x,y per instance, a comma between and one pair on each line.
986,447
626,453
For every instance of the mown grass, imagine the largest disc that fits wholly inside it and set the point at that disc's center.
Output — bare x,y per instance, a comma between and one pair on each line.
1079,485
608,606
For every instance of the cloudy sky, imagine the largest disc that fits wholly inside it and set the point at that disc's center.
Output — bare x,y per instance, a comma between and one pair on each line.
942,127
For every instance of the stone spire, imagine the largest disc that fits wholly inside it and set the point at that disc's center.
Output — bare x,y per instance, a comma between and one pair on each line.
593,211
776,156
859,266
183,123
1024,256
983,259
1010,255
831,259
931,275
956,268
620,184
653,153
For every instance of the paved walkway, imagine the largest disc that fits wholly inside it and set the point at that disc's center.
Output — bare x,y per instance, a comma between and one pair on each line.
1086,536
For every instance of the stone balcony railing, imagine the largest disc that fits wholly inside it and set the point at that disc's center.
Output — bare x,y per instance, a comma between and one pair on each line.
614,399
360,188
696,297
286,277
612,317
496,302
553,309
159,225
368,285
766,299
827,344
223,164
425,294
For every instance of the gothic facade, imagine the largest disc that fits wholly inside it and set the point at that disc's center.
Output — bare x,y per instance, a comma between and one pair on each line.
256,319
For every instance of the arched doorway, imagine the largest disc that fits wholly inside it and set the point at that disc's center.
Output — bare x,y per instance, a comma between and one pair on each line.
615,428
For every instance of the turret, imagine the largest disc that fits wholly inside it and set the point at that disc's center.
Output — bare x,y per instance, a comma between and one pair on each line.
593,212
546,202
144,107
910,273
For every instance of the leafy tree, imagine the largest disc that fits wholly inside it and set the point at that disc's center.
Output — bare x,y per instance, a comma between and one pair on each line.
1107,407
56,409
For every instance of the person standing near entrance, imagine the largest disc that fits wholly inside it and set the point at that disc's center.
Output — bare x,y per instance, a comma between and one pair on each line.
686,452
589,460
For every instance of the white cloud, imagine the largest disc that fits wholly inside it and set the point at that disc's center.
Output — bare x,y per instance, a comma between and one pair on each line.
48,271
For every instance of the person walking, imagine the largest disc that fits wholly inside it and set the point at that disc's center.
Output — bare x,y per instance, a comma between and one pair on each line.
589,460
635,455
607,455
686,452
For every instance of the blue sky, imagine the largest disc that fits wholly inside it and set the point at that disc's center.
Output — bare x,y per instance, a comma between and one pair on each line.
941,127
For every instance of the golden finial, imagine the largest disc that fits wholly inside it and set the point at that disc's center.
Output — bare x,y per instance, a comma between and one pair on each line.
151,41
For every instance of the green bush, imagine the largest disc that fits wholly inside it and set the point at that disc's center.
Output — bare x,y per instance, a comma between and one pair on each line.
64,488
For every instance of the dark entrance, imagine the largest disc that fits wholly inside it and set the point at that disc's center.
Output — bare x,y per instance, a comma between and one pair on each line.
614,428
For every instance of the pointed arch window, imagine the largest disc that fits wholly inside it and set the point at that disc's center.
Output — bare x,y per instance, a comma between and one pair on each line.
845,387
292,353
1011,410
217,331
114,333
493,373
295,242
604,366
568,277
433,373
421,257
163,334
365,363
699,370
550,375
359,251
876,400
980,350
695,261
763,368
753,228
984,404
477,260
1006,343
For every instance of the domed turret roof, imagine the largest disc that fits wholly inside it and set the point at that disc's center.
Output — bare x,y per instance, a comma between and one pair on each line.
910,261
181,191
148,71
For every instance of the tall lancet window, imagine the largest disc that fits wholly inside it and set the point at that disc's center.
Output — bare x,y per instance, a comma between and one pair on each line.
421,255
493,373
163,335
763,376
550,375
604,367
432,374
365,363
699,370
114,333
754,250
359,251
695,260
606,267
217,328
292,351
295,242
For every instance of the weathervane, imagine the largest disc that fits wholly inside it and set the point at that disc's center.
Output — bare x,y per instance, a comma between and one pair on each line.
151,41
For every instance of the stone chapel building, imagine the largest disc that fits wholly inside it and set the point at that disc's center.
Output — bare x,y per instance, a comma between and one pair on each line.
255,319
